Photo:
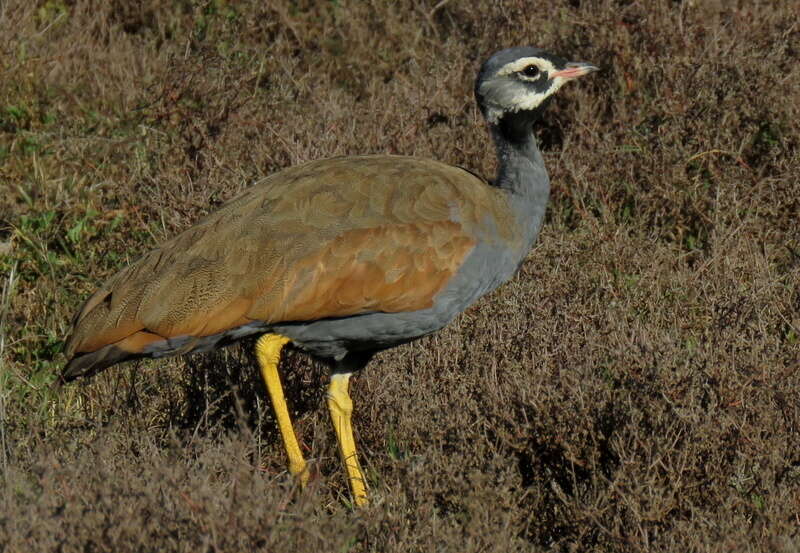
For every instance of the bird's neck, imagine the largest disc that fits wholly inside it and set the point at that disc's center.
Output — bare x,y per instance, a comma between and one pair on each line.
521,172
520,166
518,163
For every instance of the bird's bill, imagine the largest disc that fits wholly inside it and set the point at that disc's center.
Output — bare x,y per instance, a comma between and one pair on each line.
575,69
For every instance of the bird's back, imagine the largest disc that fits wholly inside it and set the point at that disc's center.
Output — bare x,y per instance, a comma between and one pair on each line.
331,238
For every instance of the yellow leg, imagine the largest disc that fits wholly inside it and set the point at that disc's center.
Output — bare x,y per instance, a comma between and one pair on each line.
268,351
341,408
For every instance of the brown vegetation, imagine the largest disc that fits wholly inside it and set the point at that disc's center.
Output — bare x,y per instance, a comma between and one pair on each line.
635,388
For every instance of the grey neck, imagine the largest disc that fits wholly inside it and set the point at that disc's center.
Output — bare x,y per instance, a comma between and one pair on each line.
521,171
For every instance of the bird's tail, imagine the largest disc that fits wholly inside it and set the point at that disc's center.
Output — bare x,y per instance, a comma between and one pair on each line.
89,364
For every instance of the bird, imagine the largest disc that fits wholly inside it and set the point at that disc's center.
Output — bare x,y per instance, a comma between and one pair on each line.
340,258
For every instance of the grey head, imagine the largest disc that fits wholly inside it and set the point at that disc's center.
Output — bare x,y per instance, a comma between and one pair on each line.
515,85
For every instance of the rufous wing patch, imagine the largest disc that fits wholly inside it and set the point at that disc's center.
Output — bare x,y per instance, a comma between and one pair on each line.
326,239
390,269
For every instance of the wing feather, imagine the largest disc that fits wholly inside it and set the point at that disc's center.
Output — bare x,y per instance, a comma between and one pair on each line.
327,239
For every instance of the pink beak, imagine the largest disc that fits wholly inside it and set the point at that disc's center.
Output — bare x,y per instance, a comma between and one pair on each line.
575,69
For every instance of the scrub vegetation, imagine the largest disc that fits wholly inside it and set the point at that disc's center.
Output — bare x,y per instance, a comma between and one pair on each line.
634,388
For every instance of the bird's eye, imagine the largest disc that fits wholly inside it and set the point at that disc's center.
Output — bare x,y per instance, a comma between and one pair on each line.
530,71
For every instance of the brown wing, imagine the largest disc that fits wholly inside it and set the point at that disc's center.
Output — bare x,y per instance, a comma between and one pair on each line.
327,239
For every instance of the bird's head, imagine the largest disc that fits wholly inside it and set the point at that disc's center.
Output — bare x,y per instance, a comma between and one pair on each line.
515,84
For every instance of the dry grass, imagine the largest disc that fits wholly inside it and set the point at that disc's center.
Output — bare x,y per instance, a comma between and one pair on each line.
635,388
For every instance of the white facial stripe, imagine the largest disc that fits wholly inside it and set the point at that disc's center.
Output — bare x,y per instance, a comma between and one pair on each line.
522,63
522,102
528,100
